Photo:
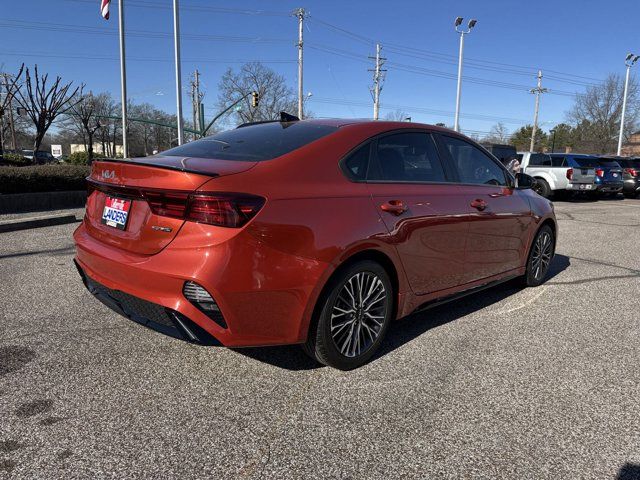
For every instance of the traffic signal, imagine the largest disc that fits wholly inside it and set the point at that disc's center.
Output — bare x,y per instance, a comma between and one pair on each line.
255,97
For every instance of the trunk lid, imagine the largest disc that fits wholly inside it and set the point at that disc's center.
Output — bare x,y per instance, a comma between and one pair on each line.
583,175
140,181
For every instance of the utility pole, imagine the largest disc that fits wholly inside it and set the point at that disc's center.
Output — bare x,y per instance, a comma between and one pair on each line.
629,61
196,98
377,80
301,14
537,91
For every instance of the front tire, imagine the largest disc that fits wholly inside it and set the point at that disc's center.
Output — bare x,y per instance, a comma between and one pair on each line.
542,188
353,317
540,256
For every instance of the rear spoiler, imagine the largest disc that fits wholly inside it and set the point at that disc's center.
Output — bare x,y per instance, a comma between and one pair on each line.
284,118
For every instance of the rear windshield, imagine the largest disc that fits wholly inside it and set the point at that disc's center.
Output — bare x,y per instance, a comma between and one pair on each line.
629,163
254,143
586,162
608,163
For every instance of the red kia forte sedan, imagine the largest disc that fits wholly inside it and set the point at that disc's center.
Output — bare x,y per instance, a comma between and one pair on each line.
317,232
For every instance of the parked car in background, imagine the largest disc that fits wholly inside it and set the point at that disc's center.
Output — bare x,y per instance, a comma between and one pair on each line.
580,173
318,232
504,153
559,173
609,179
630,175
40,157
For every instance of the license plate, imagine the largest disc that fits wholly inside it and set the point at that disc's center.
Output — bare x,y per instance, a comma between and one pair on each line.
615,174
116,211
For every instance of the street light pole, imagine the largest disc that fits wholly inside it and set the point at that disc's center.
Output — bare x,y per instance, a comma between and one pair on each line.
123,80
629,61
176,44
470,25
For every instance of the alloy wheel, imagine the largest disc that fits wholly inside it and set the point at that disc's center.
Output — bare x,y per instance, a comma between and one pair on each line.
358,314
541,255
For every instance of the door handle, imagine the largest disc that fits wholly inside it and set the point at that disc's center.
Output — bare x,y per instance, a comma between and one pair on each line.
397,207
479,204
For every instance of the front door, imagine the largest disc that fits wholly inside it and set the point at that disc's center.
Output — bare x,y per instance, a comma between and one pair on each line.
500,216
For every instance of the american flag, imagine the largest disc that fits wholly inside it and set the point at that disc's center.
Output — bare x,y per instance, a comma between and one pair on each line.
104,8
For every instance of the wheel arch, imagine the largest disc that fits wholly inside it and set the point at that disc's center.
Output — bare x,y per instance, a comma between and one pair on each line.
372,254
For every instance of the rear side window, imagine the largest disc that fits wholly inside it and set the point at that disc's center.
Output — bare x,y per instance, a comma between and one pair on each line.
558,162
473,165
539,160
355,165
407,157
254,143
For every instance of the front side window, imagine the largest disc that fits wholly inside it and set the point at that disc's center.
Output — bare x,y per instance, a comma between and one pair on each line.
407,157
473,165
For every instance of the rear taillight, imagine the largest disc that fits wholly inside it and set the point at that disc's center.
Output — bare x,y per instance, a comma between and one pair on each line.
631,171
570,174
167,204
221,209
600,172
224,210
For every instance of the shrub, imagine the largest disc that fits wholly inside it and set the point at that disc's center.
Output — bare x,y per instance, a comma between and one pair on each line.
15,159
43,178
82,158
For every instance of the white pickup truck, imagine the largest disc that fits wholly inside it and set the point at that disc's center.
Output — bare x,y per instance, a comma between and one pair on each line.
556,173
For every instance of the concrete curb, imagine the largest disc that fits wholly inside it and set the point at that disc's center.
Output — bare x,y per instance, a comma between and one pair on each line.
41,201
36,222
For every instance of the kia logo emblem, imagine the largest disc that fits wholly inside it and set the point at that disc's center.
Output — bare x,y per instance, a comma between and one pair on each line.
106,174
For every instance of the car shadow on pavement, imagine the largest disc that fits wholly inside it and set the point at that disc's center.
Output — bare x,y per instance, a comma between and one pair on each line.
291,357
629,471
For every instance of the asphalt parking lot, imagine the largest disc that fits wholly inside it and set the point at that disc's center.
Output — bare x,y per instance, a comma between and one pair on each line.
509,383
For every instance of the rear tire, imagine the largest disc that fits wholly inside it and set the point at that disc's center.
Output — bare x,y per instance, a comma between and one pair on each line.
630,195
352,317
542,188
540,256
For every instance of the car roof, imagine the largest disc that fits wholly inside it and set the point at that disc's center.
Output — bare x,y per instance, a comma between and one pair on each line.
342,122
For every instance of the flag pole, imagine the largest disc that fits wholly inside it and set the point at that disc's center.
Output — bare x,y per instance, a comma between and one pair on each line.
123,79
176,42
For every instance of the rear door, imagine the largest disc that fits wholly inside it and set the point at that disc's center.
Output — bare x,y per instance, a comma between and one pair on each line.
500,216
422,209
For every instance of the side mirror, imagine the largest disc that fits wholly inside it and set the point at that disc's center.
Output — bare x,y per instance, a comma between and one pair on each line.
524,181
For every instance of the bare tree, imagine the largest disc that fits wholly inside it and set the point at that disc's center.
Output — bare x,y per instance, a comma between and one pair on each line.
598,111
275,96
498,134
83,119
397,116
10,85
44,103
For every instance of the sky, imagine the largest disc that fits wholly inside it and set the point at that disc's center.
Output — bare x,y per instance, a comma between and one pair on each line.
574,42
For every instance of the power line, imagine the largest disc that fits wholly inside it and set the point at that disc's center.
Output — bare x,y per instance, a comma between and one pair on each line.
53,27
196,8
449,58
138,59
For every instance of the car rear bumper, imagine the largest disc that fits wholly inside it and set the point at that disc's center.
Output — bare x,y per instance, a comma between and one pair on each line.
581,187
610,187
265,296
631,186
